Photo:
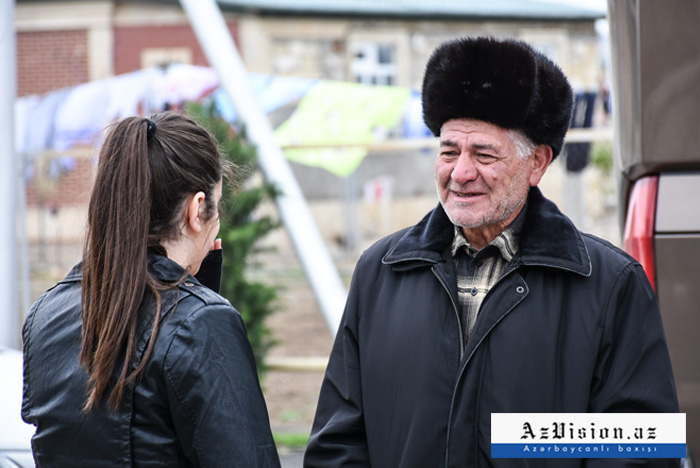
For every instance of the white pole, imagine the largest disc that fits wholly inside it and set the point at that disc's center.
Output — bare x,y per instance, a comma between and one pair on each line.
216,42
9,312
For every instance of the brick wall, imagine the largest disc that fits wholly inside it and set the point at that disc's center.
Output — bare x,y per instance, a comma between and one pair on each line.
130,41
61,185
48,60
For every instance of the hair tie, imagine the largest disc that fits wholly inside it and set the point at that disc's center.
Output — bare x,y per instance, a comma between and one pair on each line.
151,128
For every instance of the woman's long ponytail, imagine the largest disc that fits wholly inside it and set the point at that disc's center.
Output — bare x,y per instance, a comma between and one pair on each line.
115,262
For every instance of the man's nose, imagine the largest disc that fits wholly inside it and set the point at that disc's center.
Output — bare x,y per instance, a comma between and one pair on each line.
464,170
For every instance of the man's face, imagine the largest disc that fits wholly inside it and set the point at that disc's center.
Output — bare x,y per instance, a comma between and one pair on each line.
482,181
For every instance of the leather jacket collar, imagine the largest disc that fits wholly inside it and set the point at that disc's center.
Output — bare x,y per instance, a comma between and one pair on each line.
161,267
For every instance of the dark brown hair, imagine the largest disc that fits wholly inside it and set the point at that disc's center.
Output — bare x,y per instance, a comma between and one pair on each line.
146,171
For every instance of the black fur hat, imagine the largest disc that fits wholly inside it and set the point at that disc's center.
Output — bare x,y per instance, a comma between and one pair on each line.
503,82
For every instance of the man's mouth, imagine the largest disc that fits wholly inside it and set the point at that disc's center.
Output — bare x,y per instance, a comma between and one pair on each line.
466,194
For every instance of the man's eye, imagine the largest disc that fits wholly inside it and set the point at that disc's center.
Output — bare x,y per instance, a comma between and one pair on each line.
486,157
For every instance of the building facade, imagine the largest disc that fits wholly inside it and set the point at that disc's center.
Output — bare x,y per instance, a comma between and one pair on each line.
66,43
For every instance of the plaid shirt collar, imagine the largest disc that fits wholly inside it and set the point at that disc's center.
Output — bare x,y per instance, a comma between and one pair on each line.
506,242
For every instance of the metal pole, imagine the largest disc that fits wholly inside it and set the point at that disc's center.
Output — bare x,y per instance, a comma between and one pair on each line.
9,313
351,217
216,42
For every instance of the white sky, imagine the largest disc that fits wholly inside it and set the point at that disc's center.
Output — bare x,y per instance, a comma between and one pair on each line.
598,5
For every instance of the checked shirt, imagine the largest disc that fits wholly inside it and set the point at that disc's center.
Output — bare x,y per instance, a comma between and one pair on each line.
478,270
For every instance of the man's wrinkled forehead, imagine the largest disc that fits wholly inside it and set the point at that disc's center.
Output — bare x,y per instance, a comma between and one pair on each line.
473,134
474,146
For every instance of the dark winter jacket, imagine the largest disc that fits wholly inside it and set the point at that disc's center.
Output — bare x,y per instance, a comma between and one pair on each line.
572,327
198,403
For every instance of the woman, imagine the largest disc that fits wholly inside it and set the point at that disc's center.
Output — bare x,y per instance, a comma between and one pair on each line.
130,360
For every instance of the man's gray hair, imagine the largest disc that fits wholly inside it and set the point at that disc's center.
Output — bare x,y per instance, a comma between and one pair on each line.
523,144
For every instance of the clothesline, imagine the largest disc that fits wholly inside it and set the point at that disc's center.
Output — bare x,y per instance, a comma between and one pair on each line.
334,125
66,118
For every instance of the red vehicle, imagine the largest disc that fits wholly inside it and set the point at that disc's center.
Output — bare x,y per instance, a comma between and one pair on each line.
656,74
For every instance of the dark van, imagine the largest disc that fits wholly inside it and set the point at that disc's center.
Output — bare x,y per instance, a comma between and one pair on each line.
656,105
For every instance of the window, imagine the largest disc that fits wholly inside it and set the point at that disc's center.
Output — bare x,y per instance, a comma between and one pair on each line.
373,63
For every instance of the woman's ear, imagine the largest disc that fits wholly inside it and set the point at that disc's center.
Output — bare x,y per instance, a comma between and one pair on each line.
193,210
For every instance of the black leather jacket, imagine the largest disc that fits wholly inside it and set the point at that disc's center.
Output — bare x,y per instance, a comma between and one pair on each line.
198,403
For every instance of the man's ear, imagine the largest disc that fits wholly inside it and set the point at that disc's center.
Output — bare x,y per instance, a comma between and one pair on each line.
541,159
194,204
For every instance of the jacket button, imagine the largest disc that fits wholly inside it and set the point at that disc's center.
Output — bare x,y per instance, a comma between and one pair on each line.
520,290
189,284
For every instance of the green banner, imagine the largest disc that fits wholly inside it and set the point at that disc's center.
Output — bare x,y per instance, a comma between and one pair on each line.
336,113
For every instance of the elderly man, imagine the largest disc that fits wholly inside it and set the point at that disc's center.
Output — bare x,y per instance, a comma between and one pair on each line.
494,302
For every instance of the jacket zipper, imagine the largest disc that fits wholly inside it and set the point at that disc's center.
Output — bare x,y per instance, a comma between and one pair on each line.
464,364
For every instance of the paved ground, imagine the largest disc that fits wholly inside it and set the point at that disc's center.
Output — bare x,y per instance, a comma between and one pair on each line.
291,460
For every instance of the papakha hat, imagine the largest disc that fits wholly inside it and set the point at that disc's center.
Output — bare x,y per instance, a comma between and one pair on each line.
503,82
